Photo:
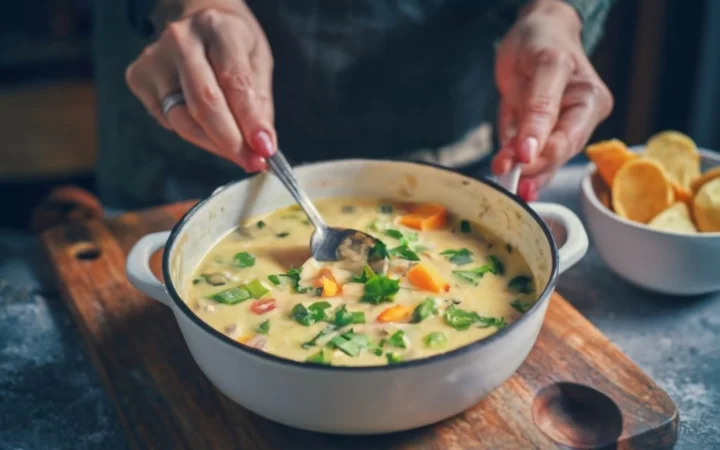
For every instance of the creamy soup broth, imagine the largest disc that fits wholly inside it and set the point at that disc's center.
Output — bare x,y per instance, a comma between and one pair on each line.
448,283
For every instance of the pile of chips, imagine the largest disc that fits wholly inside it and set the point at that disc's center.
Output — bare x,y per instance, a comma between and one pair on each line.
663,186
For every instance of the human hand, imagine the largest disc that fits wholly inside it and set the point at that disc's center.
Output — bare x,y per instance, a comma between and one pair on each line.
220,60
551,97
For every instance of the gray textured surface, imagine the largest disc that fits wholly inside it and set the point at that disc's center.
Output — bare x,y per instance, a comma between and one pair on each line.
51,397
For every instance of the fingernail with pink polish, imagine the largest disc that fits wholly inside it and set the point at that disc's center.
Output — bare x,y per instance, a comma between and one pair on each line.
263,144
528,150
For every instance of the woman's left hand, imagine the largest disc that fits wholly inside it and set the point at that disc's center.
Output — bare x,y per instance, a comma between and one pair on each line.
551,97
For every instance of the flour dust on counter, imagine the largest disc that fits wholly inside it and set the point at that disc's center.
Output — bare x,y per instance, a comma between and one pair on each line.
448,282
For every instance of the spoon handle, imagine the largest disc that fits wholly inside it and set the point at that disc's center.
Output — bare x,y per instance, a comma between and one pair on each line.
510,180
283,171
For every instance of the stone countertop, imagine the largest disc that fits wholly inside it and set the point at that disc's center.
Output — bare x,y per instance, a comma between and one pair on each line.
52,398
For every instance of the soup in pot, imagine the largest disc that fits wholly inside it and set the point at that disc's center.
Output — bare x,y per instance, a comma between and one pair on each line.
447,282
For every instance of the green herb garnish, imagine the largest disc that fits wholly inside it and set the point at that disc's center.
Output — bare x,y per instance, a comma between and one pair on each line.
386,208
380,288
366,275
311,314
284,234
404,252
521,307
232,296
436,339
392,358
424,310
465,227
397,234
458,257
496,266
319,358
351,343
508,247
243,259
256,288
275,280
462,320
264,328
521,284
294,276
344,317
260,225
379,250
397,339
325,331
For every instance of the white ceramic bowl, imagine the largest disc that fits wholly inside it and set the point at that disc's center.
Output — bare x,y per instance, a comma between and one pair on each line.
367,399
659,261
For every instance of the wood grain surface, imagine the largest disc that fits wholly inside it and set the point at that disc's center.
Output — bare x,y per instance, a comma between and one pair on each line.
575,390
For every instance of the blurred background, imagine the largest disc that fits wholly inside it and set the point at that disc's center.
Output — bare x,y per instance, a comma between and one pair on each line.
660,58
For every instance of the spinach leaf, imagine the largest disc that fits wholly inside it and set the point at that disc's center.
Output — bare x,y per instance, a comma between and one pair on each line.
243,259
380,288
324,332
404,252
319,358
366,275
351,343
458,257
462,320
521,284
436,339
397,339
294,275
496,265
521,307
311,314
379,250
424,310
264,328
275,279
397,234
344,317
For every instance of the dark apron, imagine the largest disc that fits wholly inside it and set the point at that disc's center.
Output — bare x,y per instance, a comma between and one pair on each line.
353,78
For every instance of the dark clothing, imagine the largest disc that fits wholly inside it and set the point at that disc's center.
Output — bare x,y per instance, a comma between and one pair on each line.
352,78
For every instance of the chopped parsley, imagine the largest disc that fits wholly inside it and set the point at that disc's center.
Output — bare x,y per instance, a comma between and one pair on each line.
436,339
319,358
324,332
380,288
243,259
458,257
397,339
311,314
232,296
521,284
465,227
404,252
364,276
496,265
344,317
260,225
264,328
351,343
462,320
424,310
521,307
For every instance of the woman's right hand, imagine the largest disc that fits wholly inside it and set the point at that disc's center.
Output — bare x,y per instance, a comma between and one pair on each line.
221,61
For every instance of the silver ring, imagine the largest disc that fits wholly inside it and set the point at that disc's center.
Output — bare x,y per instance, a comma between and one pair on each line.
172,100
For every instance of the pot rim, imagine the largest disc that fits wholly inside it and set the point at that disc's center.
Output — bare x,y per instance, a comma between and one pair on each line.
535,309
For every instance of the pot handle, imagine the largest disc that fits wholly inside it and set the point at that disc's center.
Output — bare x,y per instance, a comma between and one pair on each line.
138,270
568,232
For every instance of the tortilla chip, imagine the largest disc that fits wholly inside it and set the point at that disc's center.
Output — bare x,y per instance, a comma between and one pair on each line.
674,219
706,206
682,194
678,155
609,156
704,178
641,190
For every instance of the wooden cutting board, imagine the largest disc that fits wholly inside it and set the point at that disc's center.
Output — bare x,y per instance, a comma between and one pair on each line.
575,390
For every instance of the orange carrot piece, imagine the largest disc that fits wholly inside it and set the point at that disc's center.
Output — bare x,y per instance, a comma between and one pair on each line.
329,287
427,277
244,339
397,313
428,216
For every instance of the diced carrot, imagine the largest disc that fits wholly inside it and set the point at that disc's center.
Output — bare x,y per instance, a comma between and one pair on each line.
427,277
244,339
397,313
329,287
428,216
325,272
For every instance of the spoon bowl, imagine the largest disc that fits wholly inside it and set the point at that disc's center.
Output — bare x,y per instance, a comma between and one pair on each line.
329,244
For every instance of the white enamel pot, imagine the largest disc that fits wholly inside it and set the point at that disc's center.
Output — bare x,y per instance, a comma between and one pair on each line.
363,400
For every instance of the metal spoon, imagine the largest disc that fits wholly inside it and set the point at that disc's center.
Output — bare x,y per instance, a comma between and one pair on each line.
510,180
329,243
